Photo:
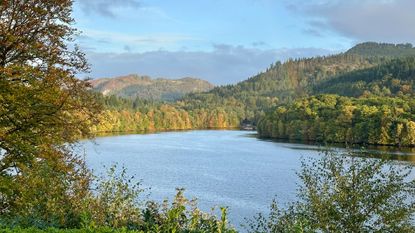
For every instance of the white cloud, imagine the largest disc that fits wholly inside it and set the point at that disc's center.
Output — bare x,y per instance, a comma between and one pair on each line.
131,39
361,20
106,7
115,40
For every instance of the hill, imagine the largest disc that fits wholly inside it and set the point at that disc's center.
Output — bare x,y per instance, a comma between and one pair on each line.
336,74
280,83
133,86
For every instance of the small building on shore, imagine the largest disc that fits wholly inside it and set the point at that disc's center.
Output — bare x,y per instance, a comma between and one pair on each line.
247,125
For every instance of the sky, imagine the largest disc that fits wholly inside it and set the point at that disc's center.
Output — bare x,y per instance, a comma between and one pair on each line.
228,41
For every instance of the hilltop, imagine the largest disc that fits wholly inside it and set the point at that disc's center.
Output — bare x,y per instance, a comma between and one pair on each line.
370,49
144,87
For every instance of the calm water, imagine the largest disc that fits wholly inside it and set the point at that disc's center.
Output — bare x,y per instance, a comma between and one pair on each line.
222,168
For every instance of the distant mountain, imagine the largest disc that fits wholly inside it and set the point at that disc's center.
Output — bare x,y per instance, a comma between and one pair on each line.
132,86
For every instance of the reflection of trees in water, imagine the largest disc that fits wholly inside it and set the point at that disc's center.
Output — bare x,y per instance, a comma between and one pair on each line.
381,152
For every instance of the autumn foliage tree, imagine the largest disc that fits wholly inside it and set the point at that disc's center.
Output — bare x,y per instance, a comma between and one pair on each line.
44,108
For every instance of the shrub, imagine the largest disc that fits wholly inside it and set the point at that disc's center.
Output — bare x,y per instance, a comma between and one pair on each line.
342,192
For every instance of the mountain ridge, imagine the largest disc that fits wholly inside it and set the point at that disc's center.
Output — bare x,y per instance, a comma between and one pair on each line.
145,87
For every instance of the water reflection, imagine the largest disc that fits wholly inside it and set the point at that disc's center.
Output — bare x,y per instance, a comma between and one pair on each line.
406,154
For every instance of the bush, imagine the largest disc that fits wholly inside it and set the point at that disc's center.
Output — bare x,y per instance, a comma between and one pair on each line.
51,201
341,192
49,193
116,200
182,215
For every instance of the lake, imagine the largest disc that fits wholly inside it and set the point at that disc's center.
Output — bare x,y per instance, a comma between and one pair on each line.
219,167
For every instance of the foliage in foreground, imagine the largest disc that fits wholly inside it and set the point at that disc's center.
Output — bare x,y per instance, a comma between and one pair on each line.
345,193
114,206
339,193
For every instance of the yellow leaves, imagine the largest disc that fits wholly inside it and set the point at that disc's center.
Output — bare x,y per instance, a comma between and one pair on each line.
164,117
346,115
367,111
281,110
42,108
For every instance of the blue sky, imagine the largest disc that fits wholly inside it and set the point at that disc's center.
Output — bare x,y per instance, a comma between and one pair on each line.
226,41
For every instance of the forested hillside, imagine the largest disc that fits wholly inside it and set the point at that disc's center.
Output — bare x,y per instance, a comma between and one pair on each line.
296,78
392,78
132,86
380,113
280,83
